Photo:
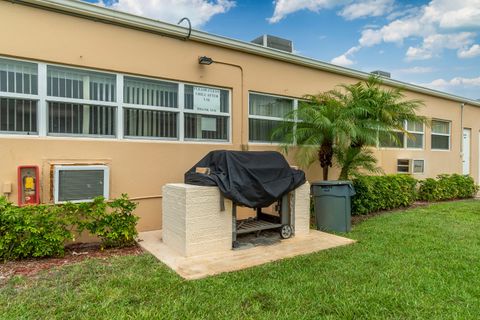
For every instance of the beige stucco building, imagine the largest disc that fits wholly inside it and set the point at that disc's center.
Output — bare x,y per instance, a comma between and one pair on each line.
125,99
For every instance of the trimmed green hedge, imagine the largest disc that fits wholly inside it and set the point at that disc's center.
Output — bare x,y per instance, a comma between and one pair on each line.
447,187
376,193
43,230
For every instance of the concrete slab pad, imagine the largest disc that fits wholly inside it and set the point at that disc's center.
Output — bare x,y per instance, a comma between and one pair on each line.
197,267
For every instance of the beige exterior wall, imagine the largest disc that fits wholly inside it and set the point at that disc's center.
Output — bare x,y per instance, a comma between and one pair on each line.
141,168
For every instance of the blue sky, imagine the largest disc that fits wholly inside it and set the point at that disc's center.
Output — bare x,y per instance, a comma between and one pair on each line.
432,43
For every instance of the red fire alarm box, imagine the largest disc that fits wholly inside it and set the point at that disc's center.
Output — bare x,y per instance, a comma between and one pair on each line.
28,185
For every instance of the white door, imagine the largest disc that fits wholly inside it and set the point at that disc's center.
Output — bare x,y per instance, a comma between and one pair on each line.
466,151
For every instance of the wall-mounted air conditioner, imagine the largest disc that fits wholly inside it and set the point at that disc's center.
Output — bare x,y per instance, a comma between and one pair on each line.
80,183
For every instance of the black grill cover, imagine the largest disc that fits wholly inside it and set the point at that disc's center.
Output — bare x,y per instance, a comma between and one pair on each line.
251,178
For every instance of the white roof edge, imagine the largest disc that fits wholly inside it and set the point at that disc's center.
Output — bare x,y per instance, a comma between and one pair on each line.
96,12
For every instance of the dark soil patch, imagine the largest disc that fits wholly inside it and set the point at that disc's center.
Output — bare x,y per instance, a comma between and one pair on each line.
73,254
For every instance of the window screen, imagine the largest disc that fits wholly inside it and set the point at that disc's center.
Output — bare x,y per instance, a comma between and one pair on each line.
198,126
265,114
403,166
80,84
18,77
79,185
440,135
79,119
210,119
395,140
18,116
261,130
262,105
150,93
150,123
415,137
418,166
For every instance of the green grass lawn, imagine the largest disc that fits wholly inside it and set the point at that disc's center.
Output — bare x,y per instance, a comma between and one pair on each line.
420,263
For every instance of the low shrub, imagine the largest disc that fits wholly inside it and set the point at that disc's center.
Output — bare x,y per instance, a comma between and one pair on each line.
113,222
375,193
43,230
447,187
32,231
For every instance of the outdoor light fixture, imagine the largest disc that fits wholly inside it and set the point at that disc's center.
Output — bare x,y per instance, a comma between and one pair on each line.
205,60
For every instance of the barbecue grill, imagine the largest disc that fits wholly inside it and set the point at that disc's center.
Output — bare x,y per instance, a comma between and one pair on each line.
256,180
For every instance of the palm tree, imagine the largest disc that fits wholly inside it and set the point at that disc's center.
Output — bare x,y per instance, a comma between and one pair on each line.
354,160
378,112
344,124
317,127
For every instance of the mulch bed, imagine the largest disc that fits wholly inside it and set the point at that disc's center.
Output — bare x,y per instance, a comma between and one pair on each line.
73,254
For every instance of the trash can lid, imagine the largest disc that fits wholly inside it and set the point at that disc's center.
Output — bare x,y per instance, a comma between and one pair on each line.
331,183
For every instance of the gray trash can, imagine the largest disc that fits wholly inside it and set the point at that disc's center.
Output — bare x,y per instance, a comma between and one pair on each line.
332,203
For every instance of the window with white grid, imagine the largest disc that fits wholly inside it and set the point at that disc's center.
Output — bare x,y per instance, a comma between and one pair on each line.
18,97
399,139
440,135
206,113
266,112
150,108
51,100
80,102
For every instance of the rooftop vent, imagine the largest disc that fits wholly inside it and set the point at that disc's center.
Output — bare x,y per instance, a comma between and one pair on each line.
274,42
381,73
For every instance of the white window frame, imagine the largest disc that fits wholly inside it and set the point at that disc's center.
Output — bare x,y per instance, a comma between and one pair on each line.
414,132
42,108
124,105
410,168
184,111
279,119
413,166
405,139
89,102
56,177
449,135
23,96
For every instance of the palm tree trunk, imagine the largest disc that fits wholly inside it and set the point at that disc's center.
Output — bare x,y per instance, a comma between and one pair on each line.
343,174
325,156
325,173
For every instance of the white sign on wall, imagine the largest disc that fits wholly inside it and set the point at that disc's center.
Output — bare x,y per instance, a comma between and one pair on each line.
209,124
206,99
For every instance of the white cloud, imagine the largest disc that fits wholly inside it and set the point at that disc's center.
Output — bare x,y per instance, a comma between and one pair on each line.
286,7
350,9
198,11
438,24
442,84
344,60
453,13
416,70
471,52
433,44
368,8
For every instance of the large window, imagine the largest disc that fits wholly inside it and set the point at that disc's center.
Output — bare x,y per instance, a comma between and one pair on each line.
80,84
415,134
265,114
206,114
151,108
440,135
399,139
43,99
18,101
79,102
